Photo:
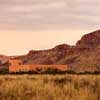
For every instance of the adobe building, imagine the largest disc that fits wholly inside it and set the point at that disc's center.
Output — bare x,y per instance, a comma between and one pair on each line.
16,65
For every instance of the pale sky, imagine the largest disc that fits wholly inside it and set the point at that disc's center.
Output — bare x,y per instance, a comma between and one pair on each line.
43,24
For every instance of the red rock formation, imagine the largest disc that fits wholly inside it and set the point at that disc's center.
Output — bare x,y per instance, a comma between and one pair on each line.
90,40
83,56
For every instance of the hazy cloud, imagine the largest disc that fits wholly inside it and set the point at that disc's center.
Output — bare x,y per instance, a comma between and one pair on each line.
49,14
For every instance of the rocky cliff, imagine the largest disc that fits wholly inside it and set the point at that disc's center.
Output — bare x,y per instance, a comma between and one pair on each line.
82,57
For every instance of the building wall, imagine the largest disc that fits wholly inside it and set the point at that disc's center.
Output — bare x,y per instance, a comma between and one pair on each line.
17,66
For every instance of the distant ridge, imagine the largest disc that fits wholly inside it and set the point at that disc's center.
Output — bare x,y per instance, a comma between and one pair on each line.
82,57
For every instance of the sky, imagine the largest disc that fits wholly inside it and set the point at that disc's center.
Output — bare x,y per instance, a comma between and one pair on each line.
43,24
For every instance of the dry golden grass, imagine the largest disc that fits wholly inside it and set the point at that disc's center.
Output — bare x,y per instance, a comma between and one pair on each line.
50,87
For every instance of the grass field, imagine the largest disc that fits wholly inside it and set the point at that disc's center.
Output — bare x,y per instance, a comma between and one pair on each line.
50,87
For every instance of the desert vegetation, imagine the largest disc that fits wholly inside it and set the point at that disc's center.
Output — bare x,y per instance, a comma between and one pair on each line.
50,87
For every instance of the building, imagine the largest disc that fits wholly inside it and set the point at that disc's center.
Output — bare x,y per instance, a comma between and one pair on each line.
16,65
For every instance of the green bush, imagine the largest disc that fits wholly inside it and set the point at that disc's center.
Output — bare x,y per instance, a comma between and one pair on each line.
4,70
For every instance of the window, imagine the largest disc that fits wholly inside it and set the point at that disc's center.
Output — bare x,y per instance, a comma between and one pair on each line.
19,63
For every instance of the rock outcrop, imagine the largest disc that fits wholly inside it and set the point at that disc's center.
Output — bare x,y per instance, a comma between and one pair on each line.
82,57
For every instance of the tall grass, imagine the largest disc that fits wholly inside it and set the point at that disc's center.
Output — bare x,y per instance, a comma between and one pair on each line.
50,87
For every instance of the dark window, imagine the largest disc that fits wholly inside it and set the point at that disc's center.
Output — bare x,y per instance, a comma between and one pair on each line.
19,63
